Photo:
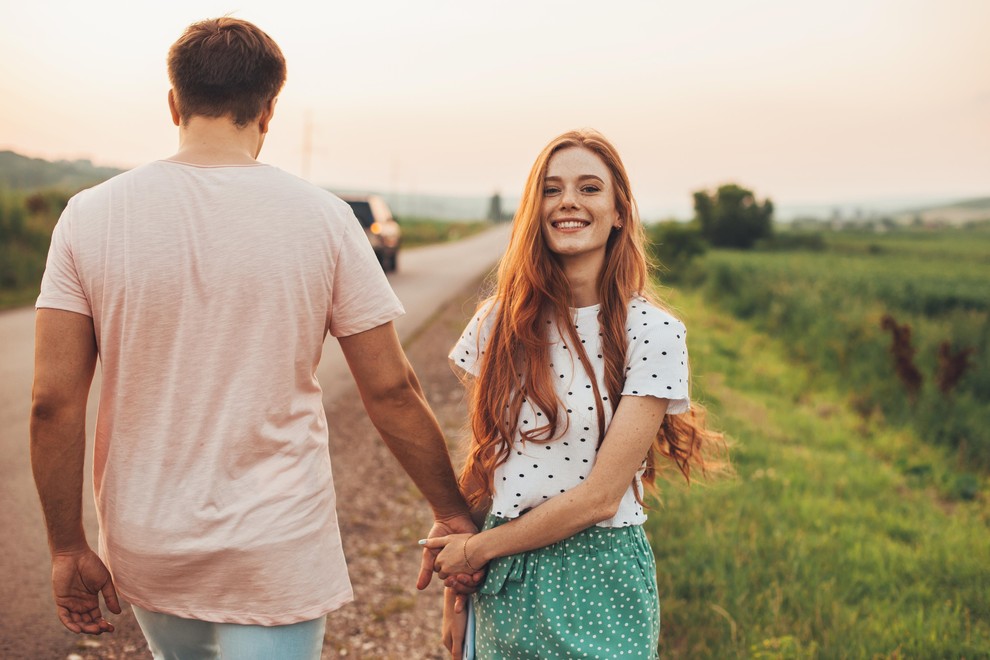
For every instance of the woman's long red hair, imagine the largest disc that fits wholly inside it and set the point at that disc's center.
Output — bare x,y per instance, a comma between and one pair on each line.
532,292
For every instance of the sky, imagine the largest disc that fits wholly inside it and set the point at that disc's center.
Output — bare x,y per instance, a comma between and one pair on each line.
803,102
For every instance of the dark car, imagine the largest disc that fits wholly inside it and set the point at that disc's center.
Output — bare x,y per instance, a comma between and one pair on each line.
383,231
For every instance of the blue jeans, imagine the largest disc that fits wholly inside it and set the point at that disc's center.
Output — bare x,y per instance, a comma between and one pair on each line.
174,638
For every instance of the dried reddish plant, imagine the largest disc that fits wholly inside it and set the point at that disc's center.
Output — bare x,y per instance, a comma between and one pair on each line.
951,366
903,352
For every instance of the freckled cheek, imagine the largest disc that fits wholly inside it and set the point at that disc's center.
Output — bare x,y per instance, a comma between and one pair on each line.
545,211
544,229
601,208
606,212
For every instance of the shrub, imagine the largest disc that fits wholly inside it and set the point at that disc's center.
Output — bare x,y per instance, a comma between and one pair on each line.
673,246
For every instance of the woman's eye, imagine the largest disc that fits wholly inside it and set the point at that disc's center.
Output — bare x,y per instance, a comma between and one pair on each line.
551,190
590,189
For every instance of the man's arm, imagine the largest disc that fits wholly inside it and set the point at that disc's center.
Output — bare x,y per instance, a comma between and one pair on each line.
65,358
397,407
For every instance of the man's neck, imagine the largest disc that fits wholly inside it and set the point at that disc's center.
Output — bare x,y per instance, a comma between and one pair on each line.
217,141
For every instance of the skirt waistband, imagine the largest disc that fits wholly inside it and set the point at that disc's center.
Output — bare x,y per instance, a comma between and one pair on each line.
587,541
591,541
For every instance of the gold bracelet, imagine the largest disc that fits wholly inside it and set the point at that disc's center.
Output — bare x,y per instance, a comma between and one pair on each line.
473,569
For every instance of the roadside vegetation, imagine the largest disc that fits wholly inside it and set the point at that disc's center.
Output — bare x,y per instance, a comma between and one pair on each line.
423,231
26,223
850,370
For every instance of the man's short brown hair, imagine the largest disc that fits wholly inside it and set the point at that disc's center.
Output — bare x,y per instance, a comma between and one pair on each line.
225,67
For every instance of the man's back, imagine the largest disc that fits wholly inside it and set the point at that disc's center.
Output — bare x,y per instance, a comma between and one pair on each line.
206,284
211,290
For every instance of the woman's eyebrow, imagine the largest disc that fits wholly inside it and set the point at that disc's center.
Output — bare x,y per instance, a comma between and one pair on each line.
580,176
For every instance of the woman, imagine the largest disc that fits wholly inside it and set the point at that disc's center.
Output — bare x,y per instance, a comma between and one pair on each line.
580,390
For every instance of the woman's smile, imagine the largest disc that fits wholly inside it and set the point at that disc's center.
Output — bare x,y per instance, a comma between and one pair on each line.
579,210
566,224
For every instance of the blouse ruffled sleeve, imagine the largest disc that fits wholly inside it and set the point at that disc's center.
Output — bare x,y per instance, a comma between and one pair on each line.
657,359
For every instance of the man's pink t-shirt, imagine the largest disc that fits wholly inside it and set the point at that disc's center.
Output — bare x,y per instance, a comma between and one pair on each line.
211,291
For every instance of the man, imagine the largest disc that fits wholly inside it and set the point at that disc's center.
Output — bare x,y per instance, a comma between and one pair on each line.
206,284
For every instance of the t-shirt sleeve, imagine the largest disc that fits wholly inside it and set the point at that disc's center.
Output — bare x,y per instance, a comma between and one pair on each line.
657,359
61,285
470,348
361,297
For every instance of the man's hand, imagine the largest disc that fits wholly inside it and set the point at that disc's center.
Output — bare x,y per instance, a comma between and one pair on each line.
456,525
78,579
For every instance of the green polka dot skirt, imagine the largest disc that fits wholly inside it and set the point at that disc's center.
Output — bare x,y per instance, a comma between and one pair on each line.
593,595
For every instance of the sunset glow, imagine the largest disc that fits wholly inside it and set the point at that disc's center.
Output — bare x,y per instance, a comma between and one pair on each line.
804,102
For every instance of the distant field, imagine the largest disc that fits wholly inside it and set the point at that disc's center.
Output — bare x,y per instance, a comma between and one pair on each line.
970,210
423,231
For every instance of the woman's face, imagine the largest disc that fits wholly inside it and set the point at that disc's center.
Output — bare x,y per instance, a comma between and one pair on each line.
579,210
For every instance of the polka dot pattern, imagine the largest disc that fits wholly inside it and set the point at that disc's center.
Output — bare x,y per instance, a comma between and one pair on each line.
656,365
593,595
656,360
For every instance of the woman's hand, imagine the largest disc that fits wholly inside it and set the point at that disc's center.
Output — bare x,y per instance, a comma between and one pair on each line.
454,624
456,555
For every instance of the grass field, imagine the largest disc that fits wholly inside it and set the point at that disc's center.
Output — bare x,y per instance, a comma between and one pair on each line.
858,525
828,305
826,544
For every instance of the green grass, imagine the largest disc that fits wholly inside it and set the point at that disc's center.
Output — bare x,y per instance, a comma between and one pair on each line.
832,542
424,231
827,306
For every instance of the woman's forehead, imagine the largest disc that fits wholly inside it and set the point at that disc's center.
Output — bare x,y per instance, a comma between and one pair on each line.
575,162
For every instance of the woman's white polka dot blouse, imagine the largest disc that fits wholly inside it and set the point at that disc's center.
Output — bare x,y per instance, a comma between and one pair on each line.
656,365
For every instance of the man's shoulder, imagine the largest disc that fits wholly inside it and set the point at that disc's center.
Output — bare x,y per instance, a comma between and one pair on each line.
160,175
118,181
298,189
100,193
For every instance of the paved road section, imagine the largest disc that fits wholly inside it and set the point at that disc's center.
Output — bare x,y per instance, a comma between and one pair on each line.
426,278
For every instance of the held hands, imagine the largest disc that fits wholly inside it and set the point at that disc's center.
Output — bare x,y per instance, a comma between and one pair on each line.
454,556
78,579
465,584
